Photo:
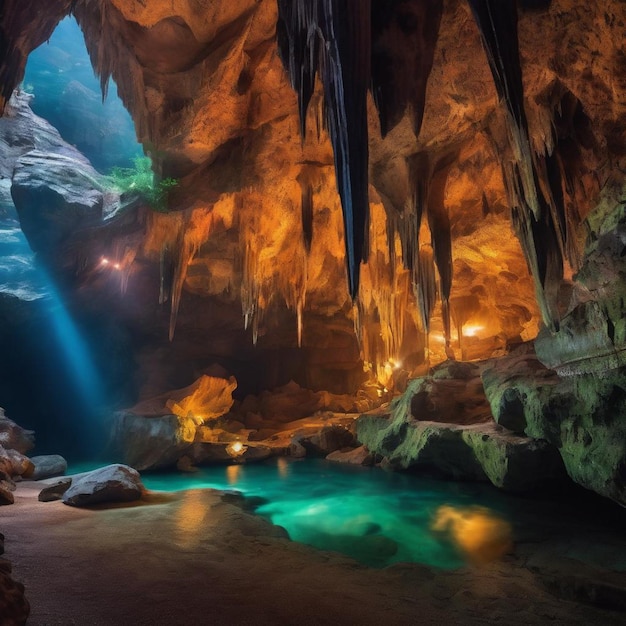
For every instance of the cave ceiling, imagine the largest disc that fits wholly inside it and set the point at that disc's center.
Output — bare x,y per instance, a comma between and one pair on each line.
454,146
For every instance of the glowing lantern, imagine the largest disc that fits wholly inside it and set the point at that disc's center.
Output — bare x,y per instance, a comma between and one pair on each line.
235,449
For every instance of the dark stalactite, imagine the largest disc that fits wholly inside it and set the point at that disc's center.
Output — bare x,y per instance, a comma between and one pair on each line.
340,31
537,218
420,173
426,287
306,210
298,41
404,37
441,233
540,245
485,205
497,23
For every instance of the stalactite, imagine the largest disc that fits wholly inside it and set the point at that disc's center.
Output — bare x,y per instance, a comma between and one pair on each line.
426,287
112,56
539,245
306,187
420,174
404,37
341,31
298,41
196,229
264,285
531,194
485,205
497,23
439,223
166,273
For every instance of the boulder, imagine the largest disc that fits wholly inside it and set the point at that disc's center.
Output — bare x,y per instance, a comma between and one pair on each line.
355,456
14,607
288,402
113,483
55,491
580,415
6,494
147,442
483,451
14,463
328,439
592,335
48,465
56,194
14,437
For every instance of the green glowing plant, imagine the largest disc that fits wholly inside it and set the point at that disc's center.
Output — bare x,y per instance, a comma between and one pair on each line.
141,180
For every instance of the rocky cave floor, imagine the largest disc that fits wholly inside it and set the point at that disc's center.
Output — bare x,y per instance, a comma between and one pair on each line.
198,557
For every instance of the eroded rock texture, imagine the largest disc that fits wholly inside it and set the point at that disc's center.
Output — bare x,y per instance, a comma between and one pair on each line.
213,104
433,427
578,405
427,130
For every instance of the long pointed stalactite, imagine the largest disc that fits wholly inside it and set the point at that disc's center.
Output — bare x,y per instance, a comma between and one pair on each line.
334,36
529,190
440,229
404,38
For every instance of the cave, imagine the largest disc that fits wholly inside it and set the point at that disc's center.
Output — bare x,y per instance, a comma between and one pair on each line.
312,311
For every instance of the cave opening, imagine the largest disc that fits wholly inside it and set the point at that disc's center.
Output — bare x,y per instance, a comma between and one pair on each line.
67,93
59,375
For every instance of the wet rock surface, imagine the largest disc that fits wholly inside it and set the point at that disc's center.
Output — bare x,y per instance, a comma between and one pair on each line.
578,415
464,442
113,483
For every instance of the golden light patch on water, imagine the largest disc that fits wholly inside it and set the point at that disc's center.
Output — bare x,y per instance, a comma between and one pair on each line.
479,533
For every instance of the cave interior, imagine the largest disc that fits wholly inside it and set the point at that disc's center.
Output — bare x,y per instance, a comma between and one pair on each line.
388,233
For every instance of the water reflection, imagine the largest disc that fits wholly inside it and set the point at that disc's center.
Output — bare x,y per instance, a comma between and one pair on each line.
282,465
233,474
189,519
376,517
479,533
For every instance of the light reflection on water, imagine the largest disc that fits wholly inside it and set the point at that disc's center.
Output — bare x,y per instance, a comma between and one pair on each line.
376,517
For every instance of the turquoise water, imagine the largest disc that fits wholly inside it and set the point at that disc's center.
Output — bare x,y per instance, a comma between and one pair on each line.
376,517
380,518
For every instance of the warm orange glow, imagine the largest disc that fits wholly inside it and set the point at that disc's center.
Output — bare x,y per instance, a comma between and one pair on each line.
283,467
480,534
210,398
236,448
232,474
190,518
472,331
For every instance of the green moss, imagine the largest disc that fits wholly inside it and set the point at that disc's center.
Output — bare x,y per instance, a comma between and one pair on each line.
141,181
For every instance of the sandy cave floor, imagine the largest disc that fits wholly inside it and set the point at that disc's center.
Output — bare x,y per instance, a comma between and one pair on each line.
190,558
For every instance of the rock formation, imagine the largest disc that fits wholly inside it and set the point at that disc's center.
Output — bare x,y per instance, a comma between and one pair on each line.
364,190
